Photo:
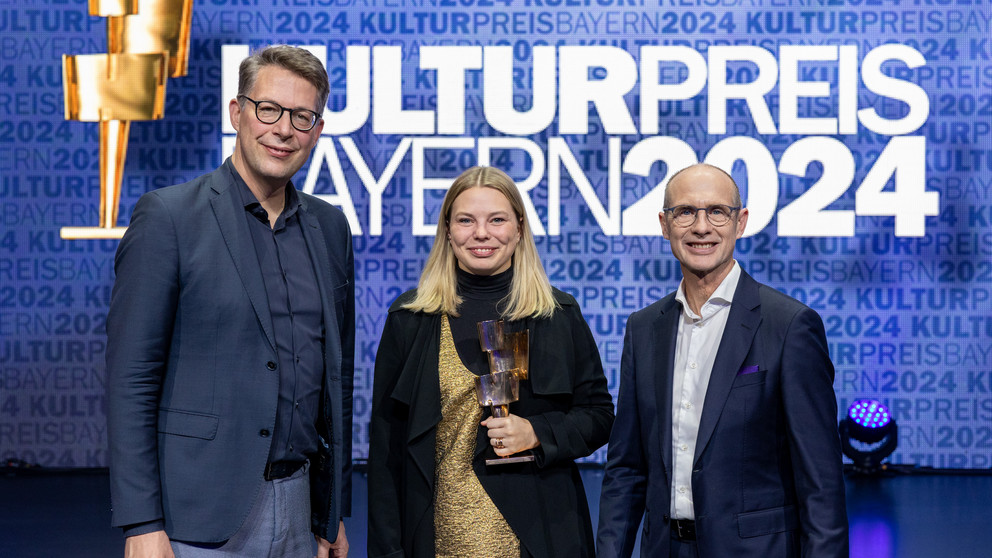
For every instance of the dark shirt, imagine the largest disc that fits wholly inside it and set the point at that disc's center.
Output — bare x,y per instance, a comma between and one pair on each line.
481,300
297,320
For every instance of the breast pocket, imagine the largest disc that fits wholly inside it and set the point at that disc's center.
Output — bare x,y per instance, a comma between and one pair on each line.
749,378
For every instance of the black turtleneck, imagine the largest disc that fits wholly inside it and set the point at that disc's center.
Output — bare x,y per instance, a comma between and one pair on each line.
481,296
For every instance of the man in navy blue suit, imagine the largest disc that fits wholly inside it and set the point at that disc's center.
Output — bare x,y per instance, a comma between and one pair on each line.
231,344
725,440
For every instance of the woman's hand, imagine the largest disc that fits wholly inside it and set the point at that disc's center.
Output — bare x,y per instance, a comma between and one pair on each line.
510,435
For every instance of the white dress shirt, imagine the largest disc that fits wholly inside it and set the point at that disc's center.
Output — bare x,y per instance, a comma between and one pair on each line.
695,350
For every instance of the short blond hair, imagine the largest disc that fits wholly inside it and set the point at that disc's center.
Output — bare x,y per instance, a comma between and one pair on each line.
530,291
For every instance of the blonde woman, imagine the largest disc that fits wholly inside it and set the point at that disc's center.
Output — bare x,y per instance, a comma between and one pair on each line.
430,490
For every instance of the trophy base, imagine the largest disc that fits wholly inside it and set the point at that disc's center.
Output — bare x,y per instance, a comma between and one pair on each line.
92,233
511,459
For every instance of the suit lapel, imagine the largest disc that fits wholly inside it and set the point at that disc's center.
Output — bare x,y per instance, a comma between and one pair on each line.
666,327
742,325
230,214
319,255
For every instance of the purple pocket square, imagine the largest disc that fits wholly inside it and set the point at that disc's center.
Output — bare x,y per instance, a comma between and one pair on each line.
747,370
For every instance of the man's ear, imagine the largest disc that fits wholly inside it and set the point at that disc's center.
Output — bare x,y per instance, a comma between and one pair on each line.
315,132
741,222
234,110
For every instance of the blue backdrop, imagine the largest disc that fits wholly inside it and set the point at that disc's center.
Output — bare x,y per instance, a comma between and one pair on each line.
859,130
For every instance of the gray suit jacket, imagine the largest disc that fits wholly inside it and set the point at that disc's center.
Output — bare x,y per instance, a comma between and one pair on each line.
192,386
767,476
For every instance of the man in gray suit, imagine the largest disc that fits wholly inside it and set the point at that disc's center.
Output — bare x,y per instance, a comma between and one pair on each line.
725,440
231,344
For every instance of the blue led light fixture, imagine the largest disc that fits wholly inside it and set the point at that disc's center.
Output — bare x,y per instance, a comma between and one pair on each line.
868,435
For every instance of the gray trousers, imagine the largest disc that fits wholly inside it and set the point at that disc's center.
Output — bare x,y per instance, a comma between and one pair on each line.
278,525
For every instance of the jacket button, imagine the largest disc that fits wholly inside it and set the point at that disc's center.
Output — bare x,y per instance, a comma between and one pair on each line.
270,365
264,433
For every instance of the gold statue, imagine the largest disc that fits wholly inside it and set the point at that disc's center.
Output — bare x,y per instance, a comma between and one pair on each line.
148,42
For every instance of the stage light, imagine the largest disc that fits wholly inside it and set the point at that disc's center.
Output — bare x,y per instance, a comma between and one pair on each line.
868,434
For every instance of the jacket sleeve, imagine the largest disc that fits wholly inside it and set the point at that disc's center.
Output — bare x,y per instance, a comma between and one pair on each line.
811,408
385,470
139,331
622,498
585,426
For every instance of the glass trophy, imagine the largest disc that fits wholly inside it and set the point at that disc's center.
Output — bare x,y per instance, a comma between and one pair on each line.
508,364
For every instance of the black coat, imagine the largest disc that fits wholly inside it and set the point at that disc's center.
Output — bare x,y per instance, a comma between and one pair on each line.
565,399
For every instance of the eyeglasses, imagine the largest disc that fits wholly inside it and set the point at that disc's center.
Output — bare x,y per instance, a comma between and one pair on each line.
685,215
269,112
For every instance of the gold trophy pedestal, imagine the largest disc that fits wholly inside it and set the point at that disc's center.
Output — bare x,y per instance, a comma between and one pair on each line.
92,233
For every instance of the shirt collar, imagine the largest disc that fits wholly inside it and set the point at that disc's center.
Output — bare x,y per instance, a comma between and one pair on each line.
722,296
251,203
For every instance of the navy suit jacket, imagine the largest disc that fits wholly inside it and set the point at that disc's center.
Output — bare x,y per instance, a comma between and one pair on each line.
191,362
767,476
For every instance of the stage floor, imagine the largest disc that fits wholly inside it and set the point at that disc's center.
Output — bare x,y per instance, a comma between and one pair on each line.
48,515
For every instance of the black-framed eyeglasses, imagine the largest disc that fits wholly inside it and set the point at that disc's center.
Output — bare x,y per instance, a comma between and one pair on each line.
717,214
269,112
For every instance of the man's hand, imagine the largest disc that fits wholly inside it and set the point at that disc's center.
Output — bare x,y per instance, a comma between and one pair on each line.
150,545
336,549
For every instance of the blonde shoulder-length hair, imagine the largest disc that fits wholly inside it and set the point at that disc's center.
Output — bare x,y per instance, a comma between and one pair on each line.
530,291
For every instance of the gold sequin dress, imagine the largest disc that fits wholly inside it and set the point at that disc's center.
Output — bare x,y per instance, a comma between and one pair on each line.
466,521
